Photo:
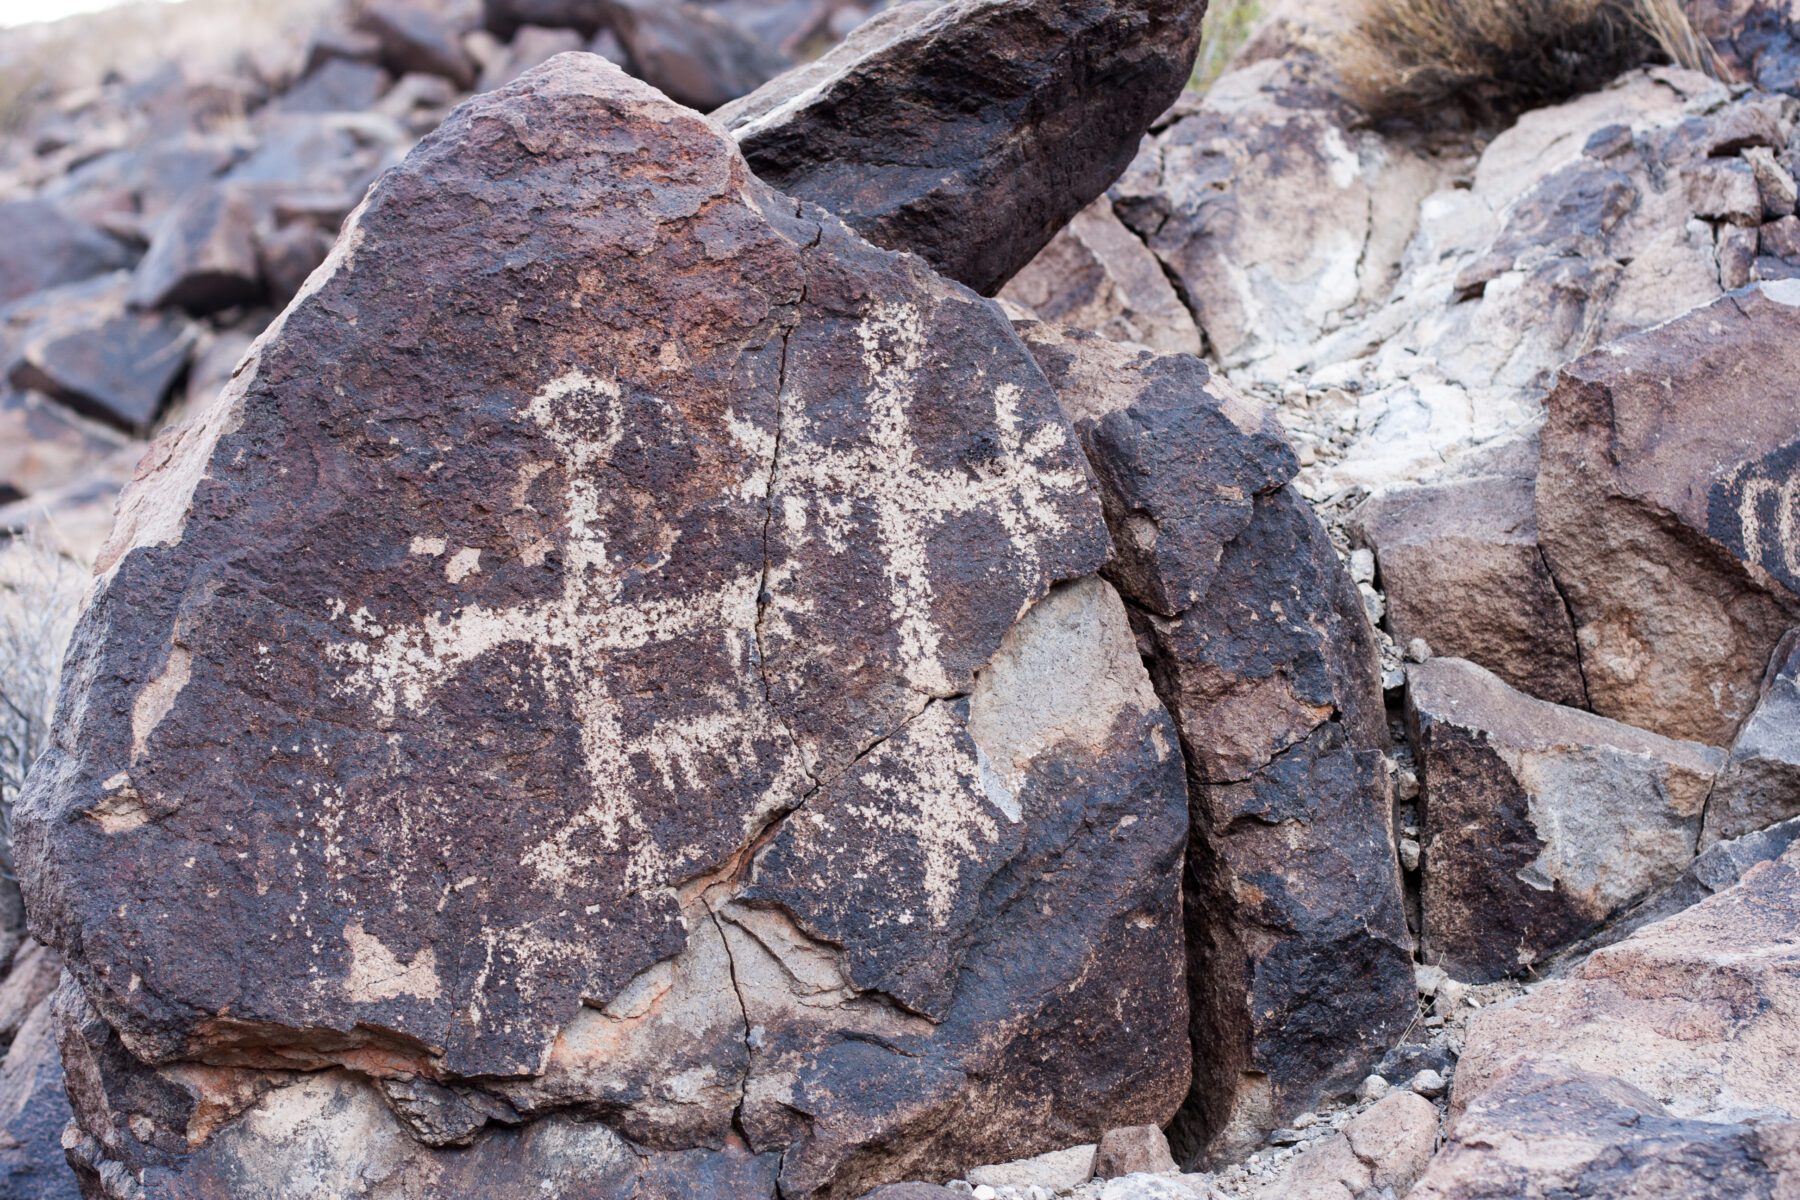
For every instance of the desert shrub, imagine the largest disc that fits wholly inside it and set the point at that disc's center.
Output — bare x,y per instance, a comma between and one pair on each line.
1227,27
40,593
1500,57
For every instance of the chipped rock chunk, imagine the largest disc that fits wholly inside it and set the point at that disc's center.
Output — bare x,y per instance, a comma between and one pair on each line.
969,133
1540,821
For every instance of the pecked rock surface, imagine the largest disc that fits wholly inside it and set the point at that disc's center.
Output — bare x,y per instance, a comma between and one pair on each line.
1299,958
679,741
969,133
1669,459
1540,821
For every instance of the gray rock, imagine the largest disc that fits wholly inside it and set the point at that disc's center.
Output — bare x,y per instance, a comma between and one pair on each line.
1760,784
203,257
45,248
1540,822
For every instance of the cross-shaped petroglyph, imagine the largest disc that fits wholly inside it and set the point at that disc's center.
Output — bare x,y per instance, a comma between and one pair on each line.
1028,470
571,637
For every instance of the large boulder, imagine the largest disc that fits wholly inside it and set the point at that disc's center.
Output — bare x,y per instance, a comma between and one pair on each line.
1540,821
1669,461
1408,304
969,133
677,740
1663,1066
1299,959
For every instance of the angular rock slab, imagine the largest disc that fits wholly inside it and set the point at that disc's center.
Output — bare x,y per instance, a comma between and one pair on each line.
1540,821
1299,958
969,133
1461,568
593,510
1662,1066
1760,784
1668,460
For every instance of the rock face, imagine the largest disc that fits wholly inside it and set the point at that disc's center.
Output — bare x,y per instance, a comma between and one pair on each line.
45,247
1668,460
33,1112
968,133
1404,304
1663,1066
1539,821
1300,963
683,741
1460,567
1096,275
1760,784
1380,1153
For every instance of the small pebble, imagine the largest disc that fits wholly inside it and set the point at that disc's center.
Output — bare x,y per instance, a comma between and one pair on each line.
984,1192
1428,1083
1409,854
1406,784
1362,567
1306,1120
1418,650
1284,1137
1373,1088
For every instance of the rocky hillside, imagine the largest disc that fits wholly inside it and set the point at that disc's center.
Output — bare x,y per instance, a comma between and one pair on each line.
808,599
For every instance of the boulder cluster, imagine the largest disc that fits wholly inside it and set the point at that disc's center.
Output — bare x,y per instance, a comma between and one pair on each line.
752,599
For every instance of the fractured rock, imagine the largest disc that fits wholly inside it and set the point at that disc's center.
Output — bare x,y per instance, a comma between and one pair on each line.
1380,1152
415,36
691,53
660,630
1663,1065
44,247
1668,460
43,445
82,346
1460,567
969,133
1539,821
203,257
1299,959
1096,275
1133,1150
1760,784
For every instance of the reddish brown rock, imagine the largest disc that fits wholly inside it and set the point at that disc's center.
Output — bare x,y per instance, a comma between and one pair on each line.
1668,460
1539,822
1133,1150
680,737
1381,1152
690,53
968,134
1096,275
44,248
1460,567
1662,1066
1299,961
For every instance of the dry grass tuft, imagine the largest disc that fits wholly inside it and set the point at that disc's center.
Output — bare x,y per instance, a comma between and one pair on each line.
1227,27
1500,57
